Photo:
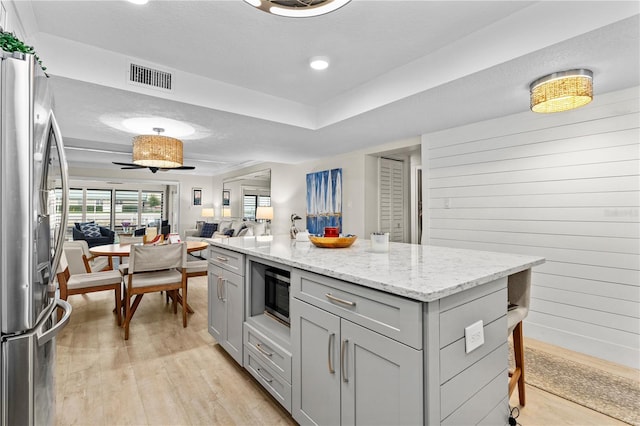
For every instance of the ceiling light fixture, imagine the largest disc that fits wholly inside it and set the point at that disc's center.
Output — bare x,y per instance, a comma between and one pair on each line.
298,8
562,91
319,63
157,150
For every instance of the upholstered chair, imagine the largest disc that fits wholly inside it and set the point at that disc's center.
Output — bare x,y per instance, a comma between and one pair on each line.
87,263
83,283
519,295
154,268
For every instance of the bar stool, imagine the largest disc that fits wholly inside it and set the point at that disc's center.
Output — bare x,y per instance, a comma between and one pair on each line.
519,292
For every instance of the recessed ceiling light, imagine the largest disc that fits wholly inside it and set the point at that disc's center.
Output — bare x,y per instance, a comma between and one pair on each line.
319,63
298,8
138,1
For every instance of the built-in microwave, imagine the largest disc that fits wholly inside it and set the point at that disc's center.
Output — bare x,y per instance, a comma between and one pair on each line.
276,294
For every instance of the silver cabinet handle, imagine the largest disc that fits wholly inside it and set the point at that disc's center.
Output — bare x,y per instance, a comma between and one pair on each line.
343,364
222,259
219,282
223,290
332,337
264,352
259,371
337,299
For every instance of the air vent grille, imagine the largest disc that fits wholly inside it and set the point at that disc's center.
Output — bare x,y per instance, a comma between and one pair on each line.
146,76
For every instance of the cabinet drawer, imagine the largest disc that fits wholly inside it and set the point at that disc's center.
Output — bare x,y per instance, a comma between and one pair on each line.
227,259
387,314
271,381
271,354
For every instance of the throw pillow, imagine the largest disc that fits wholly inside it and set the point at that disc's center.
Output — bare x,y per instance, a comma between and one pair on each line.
228,232
208,229
90,230
243,232
237,226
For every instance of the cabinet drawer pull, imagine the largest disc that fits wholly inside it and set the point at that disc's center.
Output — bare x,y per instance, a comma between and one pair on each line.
264,352
266,379
343,364
332,337
222,259
337,299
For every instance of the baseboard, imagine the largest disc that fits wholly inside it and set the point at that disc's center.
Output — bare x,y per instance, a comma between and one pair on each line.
623,355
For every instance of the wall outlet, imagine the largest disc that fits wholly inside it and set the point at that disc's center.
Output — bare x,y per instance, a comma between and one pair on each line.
474,336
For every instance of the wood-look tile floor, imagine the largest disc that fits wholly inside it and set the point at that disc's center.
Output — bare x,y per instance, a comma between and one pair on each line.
169,375
164,374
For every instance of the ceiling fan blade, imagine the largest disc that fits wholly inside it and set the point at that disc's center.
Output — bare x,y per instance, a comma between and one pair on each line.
185,168
131,165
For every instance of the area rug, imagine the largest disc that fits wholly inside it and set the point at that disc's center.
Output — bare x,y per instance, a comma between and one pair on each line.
609,394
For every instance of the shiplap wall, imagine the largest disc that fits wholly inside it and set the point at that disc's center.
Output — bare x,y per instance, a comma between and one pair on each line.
564,186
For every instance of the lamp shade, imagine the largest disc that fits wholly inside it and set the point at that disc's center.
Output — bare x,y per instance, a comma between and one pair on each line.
226,211
264,213
562,91
157,151
208,212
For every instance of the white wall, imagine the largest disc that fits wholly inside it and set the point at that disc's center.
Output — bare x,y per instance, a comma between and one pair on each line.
564,186
288,188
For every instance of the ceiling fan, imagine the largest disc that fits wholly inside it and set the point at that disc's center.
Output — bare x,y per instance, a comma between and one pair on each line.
132,166
156,152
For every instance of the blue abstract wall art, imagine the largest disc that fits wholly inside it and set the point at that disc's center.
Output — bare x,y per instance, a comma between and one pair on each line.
324,200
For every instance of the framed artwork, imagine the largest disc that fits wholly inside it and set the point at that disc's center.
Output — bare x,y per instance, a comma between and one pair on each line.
197,197
225,198
324,200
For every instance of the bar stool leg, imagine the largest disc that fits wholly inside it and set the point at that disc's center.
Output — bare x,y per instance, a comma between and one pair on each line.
517,376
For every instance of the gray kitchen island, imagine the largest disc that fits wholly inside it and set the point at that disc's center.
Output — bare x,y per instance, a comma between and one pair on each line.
415,335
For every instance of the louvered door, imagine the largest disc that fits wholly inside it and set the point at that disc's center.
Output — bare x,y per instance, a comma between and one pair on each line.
391,198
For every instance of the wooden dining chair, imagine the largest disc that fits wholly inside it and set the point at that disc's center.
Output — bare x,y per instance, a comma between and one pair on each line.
122,262
519,295
86,262
195,268
83,283
155,269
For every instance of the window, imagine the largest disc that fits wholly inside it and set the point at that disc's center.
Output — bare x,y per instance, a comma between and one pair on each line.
126,210
98,207
250,202
152,203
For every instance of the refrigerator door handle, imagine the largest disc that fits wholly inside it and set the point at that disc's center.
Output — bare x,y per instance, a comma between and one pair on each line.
44,337
64,177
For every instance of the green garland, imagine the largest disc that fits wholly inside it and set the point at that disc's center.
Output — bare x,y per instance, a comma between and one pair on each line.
10,43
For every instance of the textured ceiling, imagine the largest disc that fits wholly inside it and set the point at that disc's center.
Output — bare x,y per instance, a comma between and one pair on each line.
398,69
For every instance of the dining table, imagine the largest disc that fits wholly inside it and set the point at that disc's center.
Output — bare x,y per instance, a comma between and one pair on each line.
123,250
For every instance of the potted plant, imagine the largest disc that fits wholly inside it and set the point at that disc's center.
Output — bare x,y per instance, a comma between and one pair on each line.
10,43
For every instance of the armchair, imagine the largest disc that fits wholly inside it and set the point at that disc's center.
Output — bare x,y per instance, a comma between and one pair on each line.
106,235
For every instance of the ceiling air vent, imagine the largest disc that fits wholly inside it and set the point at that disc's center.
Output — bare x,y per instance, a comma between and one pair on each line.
149,77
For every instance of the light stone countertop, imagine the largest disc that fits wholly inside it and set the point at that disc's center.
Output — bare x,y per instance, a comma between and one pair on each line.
418,272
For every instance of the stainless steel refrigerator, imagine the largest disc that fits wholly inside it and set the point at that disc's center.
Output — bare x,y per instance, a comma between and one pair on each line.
33,214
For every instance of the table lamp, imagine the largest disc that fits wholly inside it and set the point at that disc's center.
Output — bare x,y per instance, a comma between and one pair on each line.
207,213
266,214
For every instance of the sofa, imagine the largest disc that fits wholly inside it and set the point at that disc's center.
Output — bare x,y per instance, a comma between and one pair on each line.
222,228
93,234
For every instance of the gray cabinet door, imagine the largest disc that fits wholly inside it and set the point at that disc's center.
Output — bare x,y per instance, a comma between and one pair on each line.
315,339
226,310
232,297
381,379
217,309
